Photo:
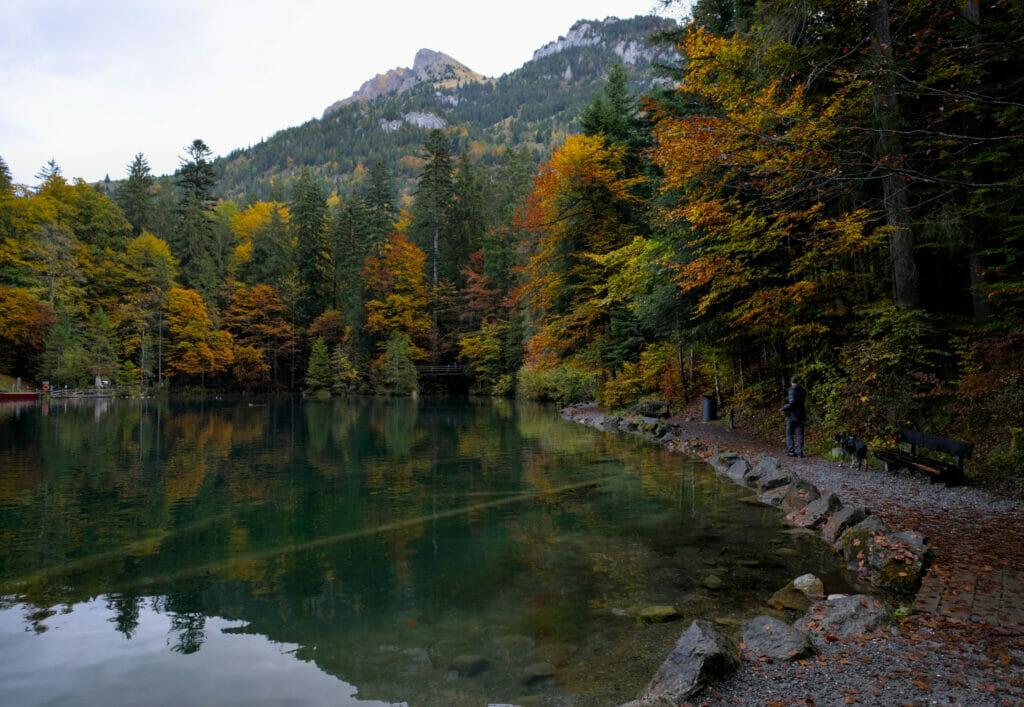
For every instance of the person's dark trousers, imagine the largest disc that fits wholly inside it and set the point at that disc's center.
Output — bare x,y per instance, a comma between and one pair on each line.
795,437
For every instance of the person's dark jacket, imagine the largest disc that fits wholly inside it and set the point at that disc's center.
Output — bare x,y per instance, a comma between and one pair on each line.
795,407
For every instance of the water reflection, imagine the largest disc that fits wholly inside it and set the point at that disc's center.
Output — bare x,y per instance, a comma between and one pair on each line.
439,552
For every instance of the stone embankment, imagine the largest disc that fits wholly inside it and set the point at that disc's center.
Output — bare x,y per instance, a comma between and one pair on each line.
707,664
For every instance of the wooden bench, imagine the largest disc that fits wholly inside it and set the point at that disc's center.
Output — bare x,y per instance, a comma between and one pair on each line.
905,456
654,408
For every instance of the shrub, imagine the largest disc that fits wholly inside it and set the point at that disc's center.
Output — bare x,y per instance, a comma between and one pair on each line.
563,384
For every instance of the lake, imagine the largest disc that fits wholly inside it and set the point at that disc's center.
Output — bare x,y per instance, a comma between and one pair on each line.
431,552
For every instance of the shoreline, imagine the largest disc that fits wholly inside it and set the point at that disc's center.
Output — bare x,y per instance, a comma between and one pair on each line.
976,648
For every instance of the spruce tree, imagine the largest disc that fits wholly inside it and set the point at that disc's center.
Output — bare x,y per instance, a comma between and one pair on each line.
380,202
309,227
196,176
468,221
135,195
400,376
430,211
318,374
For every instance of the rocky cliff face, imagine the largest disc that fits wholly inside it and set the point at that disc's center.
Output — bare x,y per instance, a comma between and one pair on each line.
594,34
428,66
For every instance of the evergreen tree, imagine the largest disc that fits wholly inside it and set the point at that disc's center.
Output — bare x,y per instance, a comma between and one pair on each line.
431,210
271,259
6,186
352,238
380,203
400,376
468,221
318,374
194,246
135,195
196,176
309,227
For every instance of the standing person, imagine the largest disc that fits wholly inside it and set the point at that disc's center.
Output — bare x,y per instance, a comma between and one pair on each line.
795,411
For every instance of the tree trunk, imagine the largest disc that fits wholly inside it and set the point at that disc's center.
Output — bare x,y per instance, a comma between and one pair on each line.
894,187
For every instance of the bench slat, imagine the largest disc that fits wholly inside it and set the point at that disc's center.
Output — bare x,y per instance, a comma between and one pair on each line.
952,447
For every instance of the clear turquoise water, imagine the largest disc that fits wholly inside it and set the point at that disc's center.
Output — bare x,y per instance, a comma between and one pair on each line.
270,552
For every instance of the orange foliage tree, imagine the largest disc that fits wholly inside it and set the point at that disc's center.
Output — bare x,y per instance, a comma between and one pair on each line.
262,334
754,175
577,213
397,294
24,322
196,348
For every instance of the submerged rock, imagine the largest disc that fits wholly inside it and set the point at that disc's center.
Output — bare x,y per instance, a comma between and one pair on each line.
657,614
711,582
789,597
467,666
701,657
538,672
810,585
767,637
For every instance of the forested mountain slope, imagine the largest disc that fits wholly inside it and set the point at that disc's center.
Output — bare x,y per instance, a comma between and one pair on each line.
535,106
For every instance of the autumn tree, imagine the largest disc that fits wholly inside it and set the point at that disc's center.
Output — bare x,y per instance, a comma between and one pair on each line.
578,211
397,294
24,324
257,321
195,347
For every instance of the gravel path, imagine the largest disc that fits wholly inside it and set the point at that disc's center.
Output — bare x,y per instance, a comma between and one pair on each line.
964,642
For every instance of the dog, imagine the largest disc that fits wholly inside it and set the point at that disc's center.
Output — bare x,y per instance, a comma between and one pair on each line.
853,449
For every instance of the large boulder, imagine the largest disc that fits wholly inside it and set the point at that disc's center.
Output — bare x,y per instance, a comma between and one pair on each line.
845,517
767,637
894,561
799,493
737,470
816,513
773,480
701,657
765,466
842,617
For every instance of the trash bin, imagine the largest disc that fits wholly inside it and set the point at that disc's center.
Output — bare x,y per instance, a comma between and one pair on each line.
710,411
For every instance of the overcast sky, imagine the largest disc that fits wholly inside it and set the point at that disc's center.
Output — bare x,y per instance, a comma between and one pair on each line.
90,84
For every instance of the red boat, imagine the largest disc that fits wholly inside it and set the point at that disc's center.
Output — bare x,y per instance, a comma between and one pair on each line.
25,396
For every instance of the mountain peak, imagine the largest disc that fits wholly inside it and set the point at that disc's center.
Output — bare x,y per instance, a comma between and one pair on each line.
428,66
